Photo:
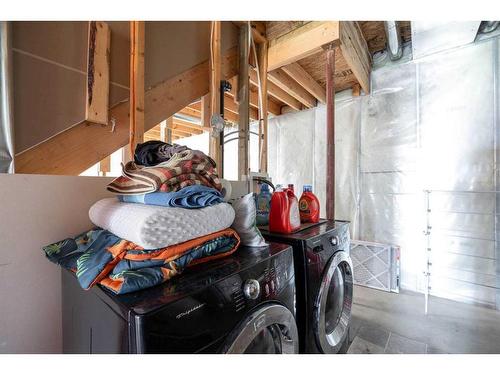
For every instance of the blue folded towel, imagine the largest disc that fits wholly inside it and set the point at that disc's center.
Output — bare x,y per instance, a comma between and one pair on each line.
194,196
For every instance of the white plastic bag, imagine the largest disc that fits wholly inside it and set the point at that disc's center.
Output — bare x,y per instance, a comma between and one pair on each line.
244,222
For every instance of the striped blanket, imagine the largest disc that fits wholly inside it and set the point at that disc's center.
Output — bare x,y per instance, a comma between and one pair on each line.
98,256
189,167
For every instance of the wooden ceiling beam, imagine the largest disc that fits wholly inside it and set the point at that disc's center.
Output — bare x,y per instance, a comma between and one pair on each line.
355,52
258,29
301,42
182,133
272,107
304,79
276,92
285,82
188,111
176,126
228,115
188,124
231,106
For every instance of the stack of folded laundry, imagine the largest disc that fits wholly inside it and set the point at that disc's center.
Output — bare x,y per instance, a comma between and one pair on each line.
169,214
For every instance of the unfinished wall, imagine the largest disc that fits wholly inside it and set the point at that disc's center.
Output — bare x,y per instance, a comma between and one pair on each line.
428,124
36,211
50,59
50,73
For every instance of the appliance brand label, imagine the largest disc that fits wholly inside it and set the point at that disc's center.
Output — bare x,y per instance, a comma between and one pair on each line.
187,312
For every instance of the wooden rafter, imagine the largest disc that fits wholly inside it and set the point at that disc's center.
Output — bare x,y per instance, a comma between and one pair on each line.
304,79
203,107
231,106
258,31
189,124
188,111
355,52
196,108
285,82
276,92
97,100
175,126
273,107
301,42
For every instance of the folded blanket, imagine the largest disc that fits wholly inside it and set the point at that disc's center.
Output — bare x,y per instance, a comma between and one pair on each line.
182,169
153,227
99,256
153,152
195,196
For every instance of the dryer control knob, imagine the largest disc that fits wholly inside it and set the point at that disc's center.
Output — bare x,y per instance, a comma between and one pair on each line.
335,240
251,289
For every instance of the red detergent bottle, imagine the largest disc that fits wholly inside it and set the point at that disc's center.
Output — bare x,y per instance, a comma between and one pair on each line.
308,206
284,214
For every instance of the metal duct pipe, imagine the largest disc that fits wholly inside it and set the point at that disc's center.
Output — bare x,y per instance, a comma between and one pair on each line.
488,26
394,44
6,114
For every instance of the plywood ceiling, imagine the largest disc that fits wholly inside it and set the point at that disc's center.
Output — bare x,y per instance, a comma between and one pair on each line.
315,65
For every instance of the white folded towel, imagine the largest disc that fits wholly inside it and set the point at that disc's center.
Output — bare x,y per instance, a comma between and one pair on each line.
153,227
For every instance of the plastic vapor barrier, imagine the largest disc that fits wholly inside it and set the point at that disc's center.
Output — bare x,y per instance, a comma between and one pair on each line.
430,124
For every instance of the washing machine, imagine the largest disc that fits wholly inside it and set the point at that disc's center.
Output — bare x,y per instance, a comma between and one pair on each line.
324,283
244,303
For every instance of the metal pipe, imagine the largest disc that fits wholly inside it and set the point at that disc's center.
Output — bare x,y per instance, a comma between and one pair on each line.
488,26
330,132
6,101
394,45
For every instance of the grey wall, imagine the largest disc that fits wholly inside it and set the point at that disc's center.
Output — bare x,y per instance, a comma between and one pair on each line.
35,211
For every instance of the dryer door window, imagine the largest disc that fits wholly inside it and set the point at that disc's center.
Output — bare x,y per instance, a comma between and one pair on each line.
271,329
332,310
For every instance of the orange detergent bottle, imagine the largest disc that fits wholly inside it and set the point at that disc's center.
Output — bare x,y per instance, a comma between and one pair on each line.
308,206
284,216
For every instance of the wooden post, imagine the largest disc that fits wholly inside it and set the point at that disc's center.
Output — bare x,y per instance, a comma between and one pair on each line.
215,77
169,125
262,61
205,111
356,90
163,131
243,100
330,132
104,166
136,84
97,103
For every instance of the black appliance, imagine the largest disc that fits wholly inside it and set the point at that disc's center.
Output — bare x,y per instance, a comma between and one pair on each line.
324,283
244,303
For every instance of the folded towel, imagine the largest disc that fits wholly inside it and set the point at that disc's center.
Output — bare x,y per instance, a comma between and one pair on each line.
182,169
195,196
99,256
153,152
153,227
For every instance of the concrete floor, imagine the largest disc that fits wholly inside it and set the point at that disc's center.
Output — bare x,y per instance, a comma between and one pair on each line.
395,323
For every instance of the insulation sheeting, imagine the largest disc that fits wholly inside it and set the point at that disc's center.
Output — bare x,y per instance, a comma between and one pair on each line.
428,124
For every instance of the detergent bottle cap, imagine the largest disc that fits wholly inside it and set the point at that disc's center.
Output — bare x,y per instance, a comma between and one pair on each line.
279,187
308,188
264,188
